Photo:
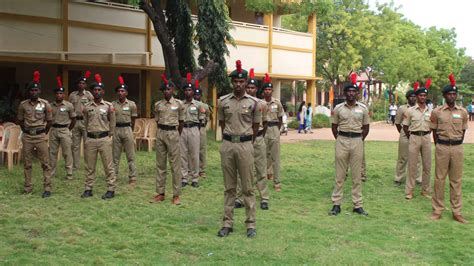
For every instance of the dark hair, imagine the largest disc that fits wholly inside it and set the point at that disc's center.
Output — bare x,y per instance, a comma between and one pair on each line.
301,107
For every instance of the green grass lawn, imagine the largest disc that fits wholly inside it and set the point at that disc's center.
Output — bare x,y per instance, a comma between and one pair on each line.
66,229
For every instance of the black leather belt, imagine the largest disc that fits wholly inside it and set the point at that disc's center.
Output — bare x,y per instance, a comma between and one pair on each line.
449,142
349,134
166,127
79,118
123,124
237,139
34,132
260,132
203,124
420,133
59,126
97,135
272,123
190,125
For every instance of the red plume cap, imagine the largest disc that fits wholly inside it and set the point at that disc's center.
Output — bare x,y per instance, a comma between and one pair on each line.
238,66
354,78
416,85
98,78
267,78
196,84
360,85
88,74
36,76
427,83
120,78
452,80
188,77
163,77
60,83
251,74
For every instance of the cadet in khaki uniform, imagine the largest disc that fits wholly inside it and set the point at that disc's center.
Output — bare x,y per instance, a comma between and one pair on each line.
449,124
64,119
350,127
99,120
169,116
204,118
239,118
402,161
259,150
125,115
34,116
189,139
416,125
79,99
272,135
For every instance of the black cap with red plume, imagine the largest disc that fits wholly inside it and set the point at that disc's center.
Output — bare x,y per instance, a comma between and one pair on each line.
425,88
239,72
267,82
189,82
353,84
197,89
166,83
122,84
59,88
85,77
35,83
98,82
252,79
452,85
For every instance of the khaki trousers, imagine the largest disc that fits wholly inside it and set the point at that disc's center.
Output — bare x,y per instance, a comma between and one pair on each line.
92,148
260,162
237,160
402,161
36,146
349,153
419,145
167,145
272,141
189,144
123,138
60,137
448,161
79,134
202,150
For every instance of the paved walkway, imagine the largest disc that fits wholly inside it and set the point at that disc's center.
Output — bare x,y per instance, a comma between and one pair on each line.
379,131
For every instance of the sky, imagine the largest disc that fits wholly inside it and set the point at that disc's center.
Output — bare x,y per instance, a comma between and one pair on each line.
458,14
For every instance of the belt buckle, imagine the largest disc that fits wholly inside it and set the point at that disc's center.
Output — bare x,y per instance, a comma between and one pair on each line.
95,134
33,131
235,139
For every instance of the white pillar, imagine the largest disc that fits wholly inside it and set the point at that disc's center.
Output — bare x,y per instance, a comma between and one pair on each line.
276,89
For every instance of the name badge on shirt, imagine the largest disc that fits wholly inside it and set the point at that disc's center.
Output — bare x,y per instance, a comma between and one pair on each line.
39,108
174,108
456,116
358,111
192,108
62,109
126,108
103,111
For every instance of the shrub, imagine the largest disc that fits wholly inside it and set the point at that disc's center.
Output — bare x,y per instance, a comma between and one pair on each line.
319,121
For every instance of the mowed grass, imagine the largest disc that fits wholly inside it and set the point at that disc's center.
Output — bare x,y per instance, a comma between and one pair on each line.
66,229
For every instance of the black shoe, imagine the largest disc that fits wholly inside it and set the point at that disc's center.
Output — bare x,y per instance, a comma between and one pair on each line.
238,205
46,194
86,194
336,209
397,183
251,233
183,184
360,211
195,184
108,195
264,205
225,231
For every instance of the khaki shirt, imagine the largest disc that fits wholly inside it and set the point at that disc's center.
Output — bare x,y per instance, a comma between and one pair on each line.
265,114
79,101
238,114
205,117
169,112
99,117
62,112
36,114
274,109
350,119
417,120
125,111
192,111
399,117
449,124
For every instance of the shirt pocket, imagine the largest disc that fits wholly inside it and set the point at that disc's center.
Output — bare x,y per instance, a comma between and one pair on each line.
246,113
227,113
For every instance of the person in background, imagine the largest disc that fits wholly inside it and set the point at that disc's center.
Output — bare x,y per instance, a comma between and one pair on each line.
309,118
470,111
301,112
393,112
